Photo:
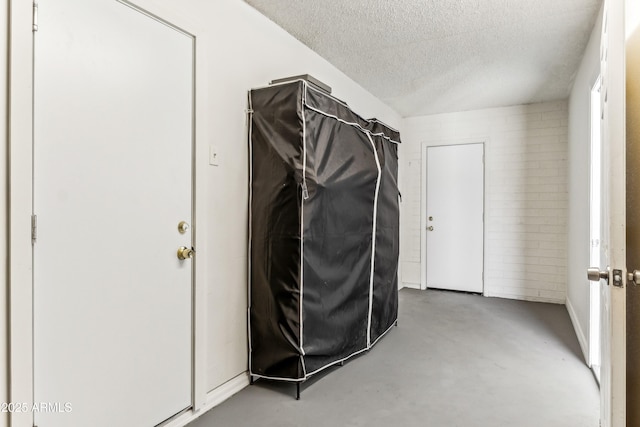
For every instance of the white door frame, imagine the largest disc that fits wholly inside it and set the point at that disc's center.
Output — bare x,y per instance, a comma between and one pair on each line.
20,263
423,204
20,207
614,367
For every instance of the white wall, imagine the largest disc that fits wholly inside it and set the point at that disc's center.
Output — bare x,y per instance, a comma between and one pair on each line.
245,50
525,195
579,177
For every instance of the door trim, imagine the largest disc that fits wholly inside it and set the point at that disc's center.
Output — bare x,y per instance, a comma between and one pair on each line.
20,173
592,352
423,203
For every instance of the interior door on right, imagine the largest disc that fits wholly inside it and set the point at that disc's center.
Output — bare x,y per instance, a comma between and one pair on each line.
612,266
455,208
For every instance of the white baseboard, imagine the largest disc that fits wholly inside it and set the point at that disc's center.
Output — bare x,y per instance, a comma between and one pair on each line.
410,285
582,339
532,298
214,398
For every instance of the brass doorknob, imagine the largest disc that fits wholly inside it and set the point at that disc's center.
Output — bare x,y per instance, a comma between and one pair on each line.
185,252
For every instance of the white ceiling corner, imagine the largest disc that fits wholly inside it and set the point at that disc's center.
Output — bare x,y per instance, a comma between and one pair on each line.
434,56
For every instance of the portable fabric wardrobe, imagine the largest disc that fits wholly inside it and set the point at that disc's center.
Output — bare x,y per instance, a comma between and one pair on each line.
324,231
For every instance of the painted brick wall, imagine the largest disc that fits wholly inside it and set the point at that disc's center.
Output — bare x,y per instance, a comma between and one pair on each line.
525,195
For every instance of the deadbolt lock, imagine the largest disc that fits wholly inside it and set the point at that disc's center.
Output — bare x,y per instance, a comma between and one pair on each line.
185,252
183,226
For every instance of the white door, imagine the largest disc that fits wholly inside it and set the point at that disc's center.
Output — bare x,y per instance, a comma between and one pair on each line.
613,245
113,179
454,223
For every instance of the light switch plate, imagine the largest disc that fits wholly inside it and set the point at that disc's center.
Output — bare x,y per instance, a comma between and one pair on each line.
214,156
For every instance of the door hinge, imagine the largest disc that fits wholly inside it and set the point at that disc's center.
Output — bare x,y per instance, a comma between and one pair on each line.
35,17
34,228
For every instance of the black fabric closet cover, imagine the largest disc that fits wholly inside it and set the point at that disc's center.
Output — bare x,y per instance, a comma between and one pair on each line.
324,231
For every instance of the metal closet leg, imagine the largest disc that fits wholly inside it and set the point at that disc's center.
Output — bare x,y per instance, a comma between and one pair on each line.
298,391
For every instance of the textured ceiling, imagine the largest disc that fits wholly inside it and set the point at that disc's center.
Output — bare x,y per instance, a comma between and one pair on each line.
434,56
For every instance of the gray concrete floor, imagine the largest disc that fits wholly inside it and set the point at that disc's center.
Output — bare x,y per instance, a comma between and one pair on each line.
455,360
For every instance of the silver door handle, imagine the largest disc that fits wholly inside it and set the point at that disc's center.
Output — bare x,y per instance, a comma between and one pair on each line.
634,277
595,275
430,228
